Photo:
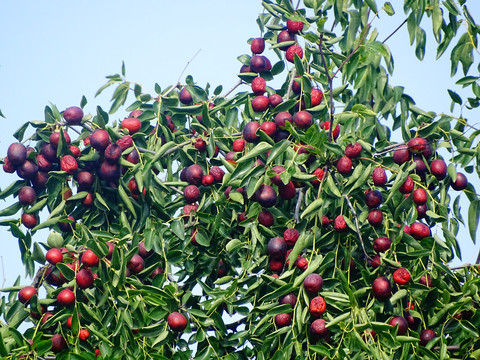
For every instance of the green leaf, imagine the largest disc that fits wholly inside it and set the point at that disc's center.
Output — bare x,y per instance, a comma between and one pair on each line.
126,200
389,8
278,149
313,207
11,210
260,148
455,97
473,218
377,48
38,254
299,65
178,228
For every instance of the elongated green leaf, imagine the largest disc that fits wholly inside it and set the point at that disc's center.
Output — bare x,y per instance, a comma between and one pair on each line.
473,218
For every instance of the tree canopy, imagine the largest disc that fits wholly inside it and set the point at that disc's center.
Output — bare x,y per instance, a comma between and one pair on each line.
316,220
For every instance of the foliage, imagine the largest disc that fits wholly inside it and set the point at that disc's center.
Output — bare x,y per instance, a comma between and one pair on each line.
215,259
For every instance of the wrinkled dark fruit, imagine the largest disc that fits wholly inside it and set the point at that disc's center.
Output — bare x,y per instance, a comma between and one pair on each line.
113,153
313,283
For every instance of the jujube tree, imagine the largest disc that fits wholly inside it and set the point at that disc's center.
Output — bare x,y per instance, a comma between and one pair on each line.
316,219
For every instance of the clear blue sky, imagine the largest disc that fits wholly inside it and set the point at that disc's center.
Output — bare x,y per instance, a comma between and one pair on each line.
57,51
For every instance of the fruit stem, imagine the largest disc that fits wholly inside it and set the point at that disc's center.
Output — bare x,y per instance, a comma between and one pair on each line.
290,84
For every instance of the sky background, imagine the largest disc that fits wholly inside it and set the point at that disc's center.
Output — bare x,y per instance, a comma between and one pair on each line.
58,51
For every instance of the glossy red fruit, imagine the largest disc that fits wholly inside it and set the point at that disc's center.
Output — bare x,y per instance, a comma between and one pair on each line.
335,131
266,218
375,217
461,182
277,248
320,174
250,132
58,343
417,145
26,195
381,288
379,176
177,322
376,261
258,64
318,329
26,293
258,85
185,97
29,220
260,103
132,124
407,186
287,192
136,264
66,298
277,179
303,120
402,324
353,150
85,180
84,278
266,196
316,97
401,155
83,334
208,180
289,299
274,100
439,169
55,138
8,167
291,51
194,174
419,230
282,320
317,306
313,283
426,336
73,115
269,128
99,139
420,196
284,36
54,256
89,259
282,117
402,276
238,145
294,26
302,263
344,165
17,154
373,199
382,244
257,46
75,150
191,194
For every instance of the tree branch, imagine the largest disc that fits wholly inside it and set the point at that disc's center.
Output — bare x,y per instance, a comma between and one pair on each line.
394,31
239,82
330,86
39,276
301,194
354,51
290,84
180,76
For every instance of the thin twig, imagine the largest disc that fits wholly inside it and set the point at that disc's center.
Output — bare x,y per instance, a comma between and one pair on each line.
478,258
394,31
449,348
301,194
354,51
143,150
330,86
39,276
290,84
178,80
239,82
175,148
464,266
176,189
